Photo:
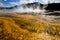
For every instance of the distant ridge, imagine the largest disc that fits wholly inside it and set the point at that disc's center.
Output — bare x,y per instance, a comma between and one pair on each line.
53,6
8,7
28,5
34,5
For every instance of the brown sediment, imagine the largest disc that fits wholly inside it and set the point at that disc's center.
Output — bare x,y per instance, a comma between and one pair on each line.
27,27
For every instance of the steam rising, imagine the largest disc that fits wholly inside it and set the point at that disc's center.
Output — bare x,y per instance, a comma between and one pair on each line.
30,9
22,9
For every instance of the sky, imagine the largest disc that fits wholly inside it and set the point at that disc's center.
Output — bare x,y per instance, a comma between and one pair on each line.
9,3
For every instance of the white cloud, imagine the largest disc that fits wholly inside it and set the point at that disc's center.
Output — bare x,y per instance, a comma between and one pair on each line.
41,1
1,4
25,1
13,3
51,1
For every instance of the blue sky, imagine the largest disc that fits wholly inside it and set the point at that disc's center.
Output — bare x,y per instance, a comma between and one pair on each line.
8,3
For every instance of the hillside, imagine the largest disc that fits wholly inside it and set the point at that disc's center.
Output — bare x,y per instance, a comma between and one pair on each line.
26,27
